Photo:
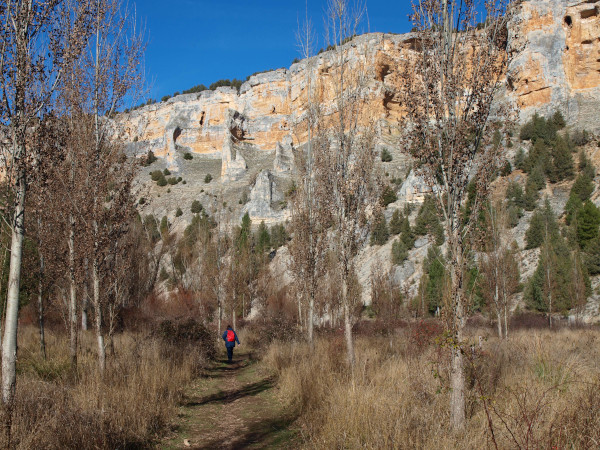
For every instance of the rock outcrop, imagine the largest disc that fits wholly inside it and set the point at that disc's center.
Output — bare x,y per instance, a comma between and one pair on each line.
263,199
284,155
233,163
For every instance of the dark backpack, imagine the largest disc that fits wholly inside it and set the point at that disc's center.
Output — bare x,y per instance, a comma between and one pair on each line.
230,336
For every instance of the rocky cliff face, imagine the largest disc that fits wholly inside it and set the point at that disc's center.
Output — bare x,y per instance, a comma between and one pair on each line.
558,67
246,140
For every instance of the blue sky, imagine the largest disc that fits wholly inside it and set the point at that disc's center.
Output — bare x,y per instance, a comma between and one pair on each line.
201,41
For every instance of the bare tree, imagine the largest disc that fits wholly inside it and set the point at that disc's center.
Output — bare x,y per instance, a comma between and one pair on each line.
347,164
450,82
38,39
114,70
499,267
309,245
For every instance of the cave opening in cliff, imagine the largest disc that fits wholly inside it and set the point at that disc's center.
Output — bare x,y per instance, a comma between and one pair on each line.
568,21
176,134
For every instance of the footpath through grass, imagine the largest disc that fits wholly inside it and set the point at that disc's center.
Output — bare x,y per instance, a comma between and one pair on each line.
233,406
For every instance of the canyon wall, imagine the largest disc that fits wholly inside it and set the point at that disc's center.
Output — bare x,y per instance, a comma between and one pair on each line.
557,67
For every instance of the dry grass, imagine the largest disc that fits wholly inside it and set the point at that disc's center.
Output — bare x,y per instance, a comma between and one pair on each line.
55,408
541,389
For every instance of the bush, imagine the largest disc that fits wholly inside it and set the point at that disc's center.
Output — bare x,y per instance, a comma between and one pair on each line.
520,159
156,175
162,181
179,212
208,178
150,158
559,120
388,196
379,232
538,128
386,156
399,252
183,338
583,187
396,223
142,201
172,181
580,137
563,166
543,223
188,156
166,172
506,169
196,207
274,328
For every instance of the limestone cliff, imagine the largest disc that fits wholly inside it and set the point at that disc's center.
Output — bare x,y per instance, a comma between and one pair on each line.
558,66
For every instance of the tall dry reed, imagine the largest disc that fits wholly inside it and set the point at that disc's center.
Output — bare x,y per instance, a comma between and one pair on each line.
127,408
539,389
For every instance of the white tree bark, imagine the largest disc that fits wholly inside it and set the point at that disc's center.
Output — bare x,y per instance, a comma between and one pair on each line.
73,295
9,343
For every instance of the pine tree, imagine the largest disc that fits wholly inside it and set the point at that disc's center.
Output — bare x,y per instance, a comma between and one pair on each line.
538,177
592,256
531,196
263,240
588,221
550,287
379,233
399,252
583,187
574,204
435,280
562,161
519,161
543,223
558,120
585,167
396,223
407,236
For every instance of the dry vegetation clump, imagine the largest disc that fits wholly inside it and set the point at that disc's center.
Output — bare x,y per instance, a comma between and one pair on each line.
539,389
135,401
271,328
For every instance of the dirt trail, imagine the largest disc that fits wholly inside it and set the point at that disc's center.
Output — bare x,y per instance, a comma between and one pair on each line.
233,406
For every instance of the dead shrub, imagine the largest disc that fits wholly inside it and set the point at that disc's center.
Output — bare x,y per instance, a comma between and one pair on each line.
275,328
180,340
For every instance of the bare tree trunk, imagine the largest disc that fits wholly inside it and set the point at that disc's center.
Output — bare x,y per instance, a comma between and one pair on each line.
457,375
233,317
98,311
73,295
300,311
9,344
41,308
347,322
85,299
311,319
219,310
506,321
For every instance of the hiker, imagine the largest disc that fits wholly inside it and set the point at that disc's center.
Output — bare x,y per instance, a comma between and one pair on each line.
230,338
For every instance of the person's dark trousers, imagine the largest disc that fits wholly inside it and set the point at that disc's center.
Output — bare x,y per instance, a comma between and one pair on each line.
229,353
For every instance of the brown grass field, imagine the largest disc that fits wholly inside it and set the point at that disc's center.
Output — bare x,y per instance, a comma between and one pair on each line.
538,389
